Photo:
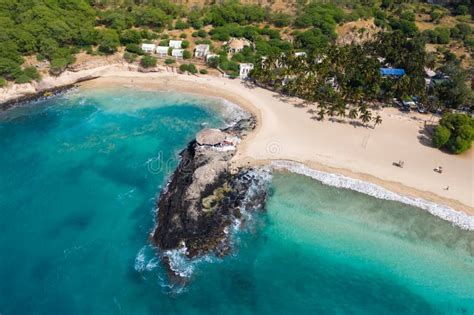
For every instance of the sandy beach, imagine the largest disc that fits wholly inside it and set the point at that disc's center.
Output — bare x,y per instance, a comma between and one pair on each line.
287,131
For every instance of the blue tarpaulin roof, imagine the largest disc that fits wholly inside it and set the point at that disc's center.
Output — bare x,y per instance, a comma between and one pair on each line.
392,71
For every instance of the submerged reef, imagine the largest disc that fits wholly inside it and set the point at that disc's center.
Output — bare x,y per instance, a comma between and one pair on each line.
204,197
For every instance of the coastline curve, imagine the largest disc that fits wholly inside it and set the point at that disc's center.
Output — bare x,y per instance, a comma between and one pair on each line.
458,218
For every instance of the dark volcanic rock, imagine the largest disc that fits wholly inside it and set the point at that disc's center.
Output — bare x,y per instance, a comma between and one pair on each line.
203,198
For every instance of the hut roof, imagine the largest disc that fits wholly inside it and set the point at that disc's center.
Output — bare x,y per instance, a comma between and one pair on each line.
392,72
210,137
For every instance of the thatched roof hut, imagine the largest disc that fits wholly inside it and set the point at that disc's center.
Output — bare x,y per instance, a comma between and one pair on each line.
210,136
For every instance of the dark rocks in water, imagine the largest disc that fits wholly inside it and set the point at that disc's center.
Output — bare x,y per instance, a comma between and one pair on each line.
204,198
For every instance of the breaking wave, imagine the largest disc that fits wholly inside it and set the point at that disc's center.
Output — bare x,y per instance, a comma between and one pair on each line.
183,266
143,262
460,219
232,113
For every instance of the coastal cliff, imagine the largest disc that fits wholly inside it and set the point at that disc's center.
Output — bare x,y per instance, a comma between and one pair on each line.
204,198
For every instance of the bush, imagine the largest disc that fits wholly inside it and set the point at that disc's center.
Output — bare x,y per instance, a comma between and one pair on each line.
441,136
134,48
22,79
461,10
187,54
32,73
436,16
281,19
183,68
461,30
130,57
442,35
202,33
130,37
3,82
203,71
183,35
109,42
408,15
169,61
184,44
454,133
58,65
148,61
191,68
88,50
213,62
181,25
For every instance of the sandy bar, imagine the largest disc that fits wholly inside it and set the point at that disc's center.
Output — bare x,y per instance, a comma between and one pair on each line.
286,131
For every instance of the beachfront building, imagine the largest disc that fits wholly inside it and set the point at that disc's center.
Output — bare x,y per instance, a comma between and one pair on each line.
392,72
236,45
162,51
175,44
245,68
177,53
201,51
148,48
300,54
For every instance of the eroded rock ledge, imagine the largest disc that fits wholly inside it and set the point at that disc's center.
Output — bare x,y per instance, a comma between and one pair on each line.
204,198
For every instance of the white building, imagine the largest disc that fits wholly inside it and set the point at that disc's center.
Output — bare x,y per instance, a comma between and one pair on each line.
162,51
245,68
176,44
177,53
300,54
201,51
148,48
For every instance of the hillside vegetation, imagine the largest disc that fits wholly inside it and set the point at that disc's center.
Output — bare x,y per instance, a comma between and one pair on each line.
415,35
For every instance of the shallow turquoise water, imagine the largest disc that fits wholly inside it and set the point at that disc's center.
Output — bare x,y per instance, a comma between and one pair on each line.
79,175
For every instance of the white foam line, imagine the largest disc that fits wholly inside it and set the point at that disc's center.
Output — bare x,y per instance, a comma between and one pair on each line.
460,219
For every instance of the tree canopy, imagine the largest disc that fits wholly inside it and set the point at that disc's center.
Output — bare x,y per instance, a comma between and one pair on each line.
454,133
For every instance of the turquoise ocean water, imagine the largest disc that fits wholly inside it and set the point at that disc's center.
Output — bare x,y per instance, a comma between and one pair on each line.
79,176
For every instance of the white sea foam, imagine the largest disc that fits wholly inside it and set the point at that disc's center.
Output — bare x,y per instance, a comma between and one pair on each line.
181,265
460,219
232,113
142,262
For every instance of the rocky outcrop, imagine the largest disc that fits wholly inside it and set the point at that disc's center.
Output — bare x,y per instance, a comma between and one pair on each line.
204,198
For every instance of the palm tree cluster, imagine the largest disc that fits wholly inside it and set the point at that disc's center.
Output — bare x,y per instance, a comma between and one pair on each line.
342,81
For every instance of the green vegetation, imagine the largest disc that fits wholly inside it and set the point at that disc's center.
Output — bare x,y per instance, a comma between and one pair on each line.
454,133
134,48
331,74
452,91
169,61
108,41
148,61
190,67
187,54
130,57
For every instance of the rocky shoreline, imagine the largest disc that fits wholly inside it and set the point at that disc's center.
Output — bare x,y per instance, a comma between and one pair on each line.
204,197
41,94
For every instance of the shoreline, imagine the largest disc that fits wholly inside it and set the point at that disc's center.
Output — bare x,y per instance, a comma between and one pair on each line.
257,150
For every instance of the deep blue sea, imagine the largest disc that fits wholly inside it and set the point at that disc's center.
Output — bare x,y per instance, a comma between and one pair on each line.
79,178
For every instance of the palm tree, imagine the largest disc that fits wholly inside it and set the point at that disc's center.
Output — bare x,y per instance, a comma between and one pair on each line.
365,115
377,120
352,113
